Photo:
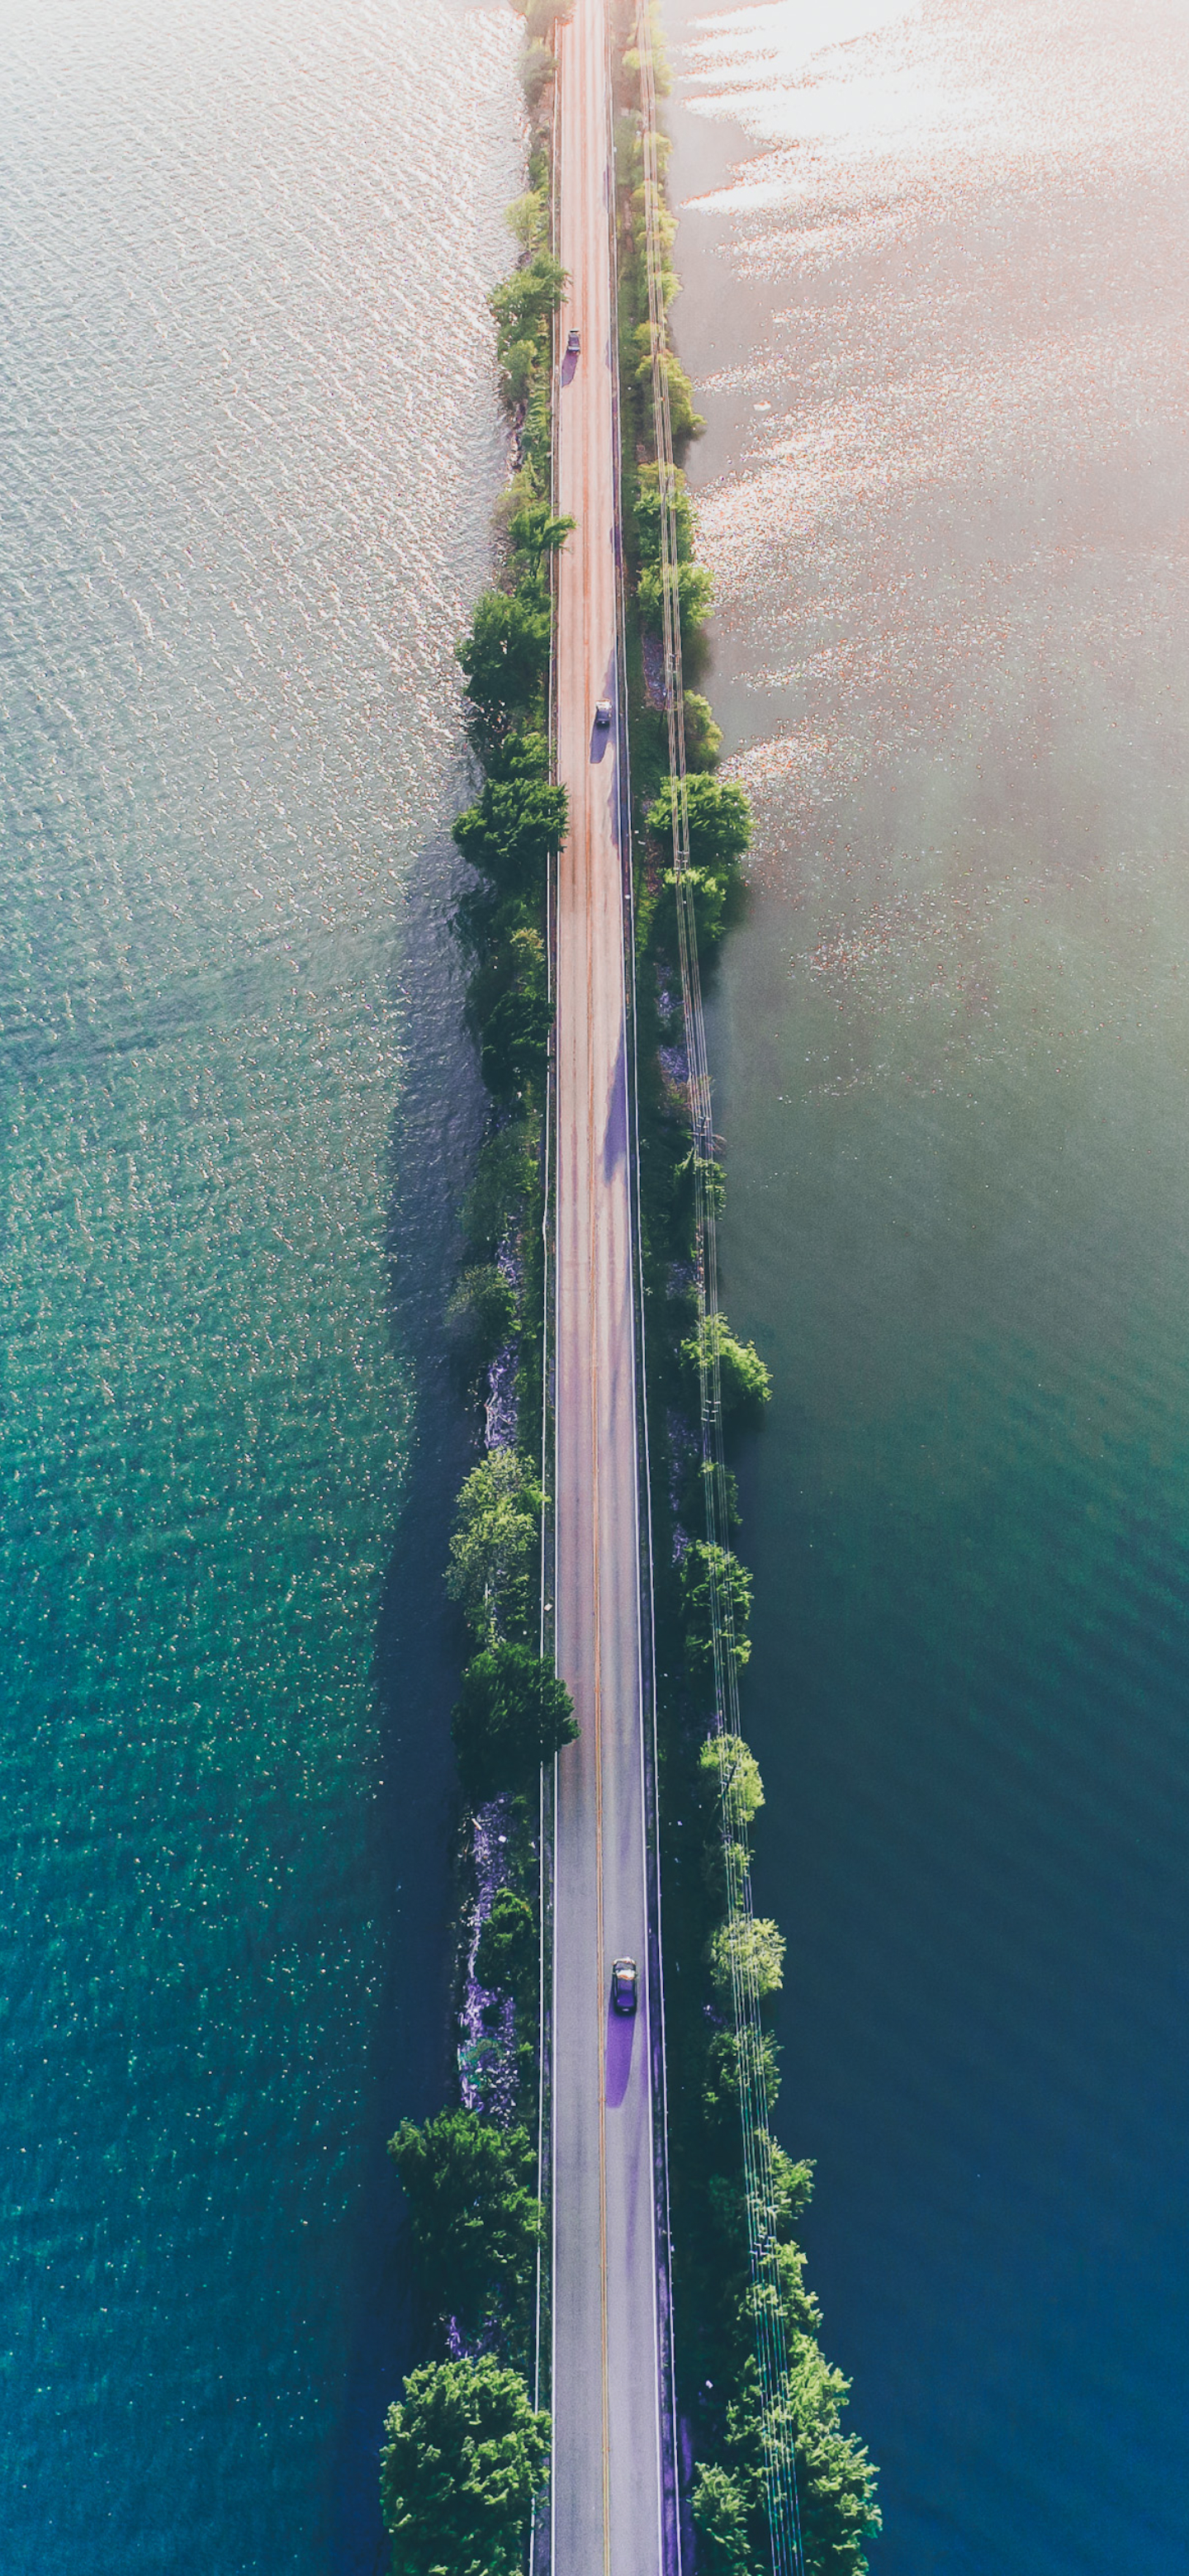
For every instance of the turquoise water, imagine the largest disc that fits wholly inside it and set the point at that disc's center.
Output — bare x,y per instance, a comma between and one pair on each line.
248,444
247,451
936,306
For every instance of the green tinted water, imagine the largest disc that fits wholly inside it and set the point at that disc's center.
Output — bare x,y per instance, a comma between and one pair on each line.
935,304
249,446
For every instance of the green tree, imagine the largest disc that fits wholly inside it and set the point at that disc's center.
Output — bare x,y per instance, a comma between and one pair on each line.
702,1170
510,831
719,818
538,63
513,1714
752,1946
686,422
792,2191
518,1021
494,1564
719,822
519,755
507,1956
707,1572
835,2478
518,365
695,595
649,513
464,2454
836,2481
534,531
542,16
504,657
792,2188
474,2219
713,896
722,2511
527,298
729,1768
744,1383
527,218
721,2089
703,738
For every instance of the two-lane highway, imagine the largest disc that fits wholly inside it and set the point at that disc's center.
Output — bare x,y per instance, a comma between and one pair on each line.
607,2484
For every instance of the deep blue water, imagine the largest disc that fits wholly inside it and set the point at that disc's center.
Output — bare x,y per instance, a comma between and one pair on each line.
936,309
247,450
248,446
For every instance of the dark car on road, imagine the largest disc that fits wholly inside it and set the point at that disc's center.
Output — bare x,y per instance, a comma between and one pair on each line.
623,1985
573,344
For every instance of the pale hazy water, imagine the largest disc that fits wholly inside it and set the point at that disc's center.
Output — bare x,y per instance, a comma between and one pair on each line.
248,448
937,301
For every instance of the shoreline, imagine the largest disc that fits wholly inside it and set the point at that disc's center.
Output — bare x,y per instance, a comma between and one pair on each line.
740,2299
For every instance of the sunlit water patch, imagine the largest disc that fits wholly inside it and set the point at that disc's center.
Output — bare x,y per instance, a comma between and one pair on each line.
936,311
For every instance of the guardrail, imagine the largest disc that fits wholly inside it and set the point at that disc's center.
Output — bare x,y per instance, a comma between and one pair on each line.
767,2304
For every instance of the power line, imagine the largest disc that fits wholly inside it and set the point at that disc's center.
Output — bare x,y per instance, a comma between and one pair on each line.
780,2472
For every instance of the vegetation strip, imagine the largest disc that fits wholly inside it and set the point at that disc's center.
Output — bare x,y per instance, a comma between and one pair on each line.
740,1949
466,2449
775,2479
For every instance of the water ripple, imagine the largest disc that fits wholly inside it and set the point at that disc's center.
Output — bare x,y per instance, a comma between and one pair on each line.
246,434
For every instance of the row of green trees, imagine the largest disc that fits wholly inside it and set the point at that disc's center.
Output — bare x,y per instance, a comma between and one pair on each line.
836,2479
512,830
512,1714
715,2298
474,2224
719,821
637,335
465,2452
538,61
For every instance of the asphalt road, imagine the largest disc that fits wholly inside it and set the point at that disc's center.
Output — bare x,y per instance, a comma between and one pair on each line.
606,2483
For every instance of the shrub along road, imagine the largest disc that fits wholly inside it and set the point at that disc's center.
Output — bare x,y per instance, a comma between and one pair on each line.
607,2417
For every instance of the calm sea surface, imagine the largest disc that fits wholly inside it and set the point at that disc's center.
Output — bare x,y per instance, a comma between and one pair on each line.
936,270
937,301
248,447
